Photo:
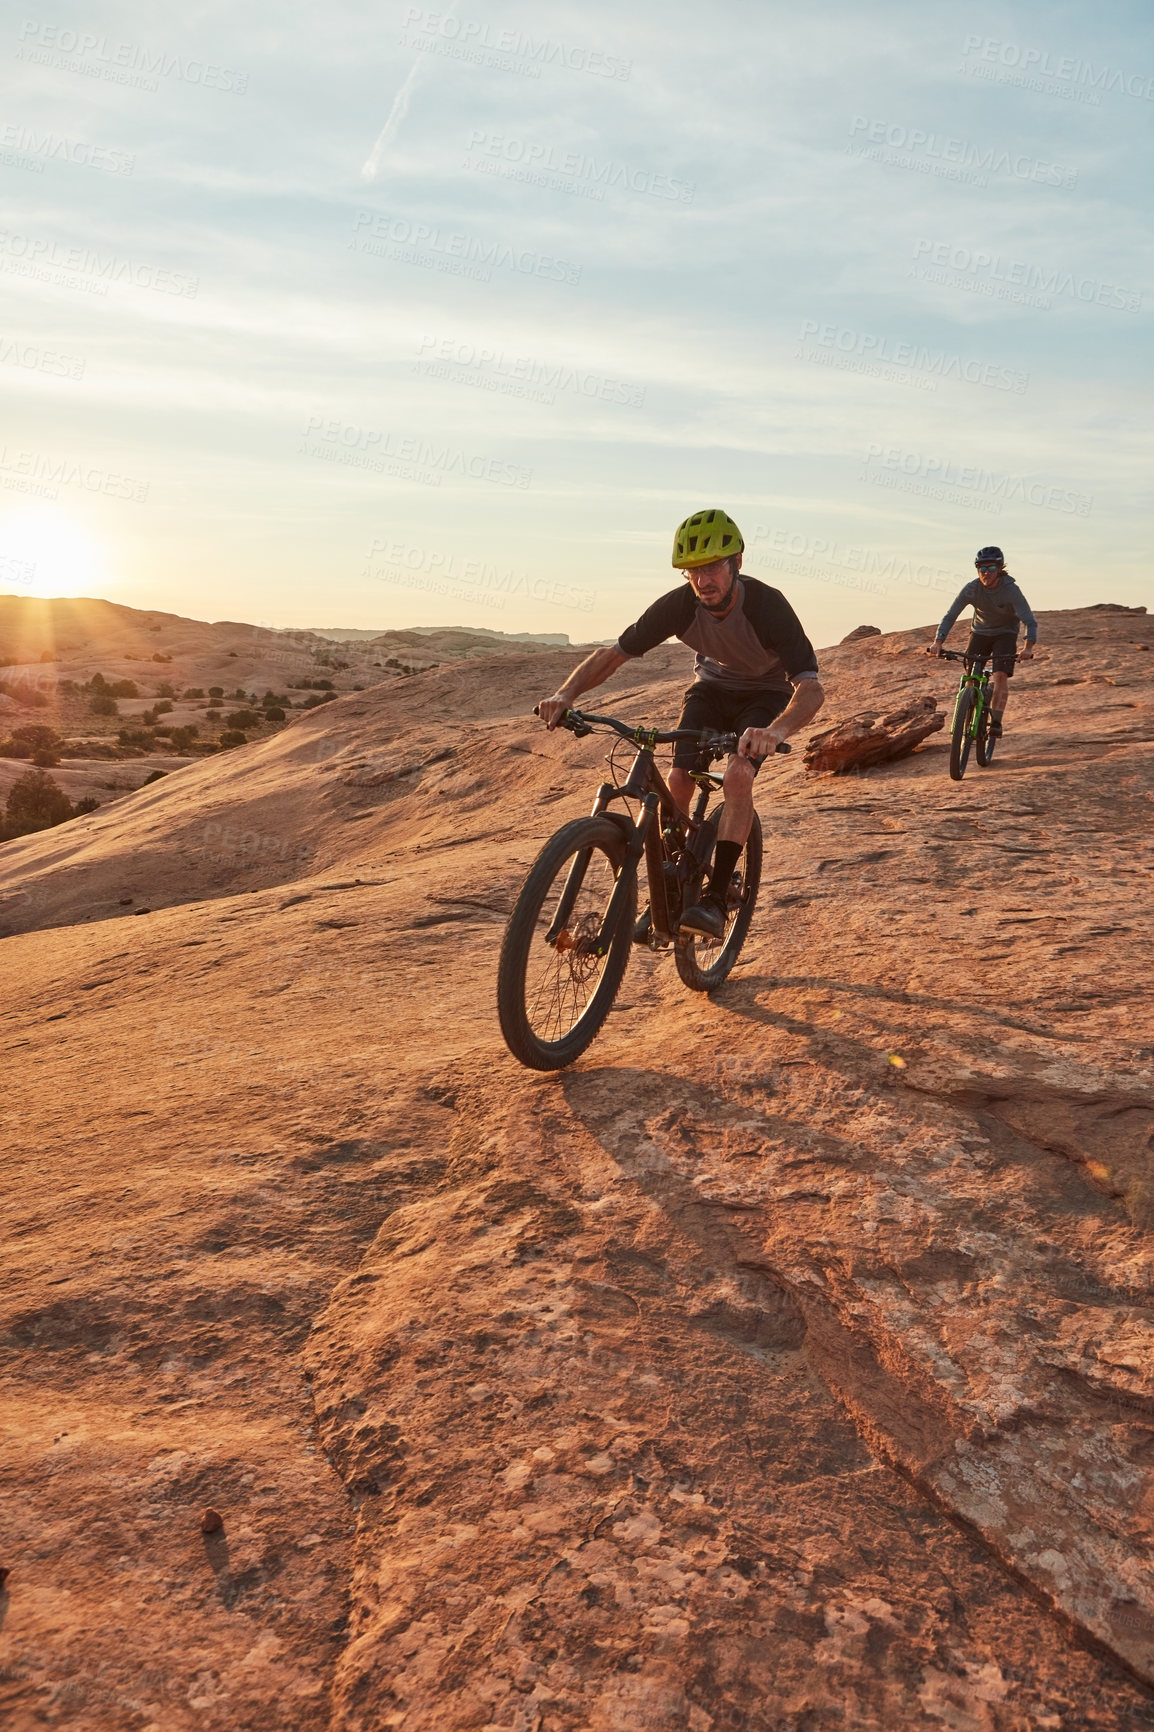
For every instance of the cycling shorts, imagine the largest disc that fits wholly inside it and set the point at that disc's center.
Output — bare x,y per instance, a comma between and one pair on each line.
1002,646
713,706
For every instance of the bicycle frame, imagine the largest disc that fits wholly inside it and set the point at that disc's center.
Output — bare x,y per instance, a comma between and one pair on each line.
976,675
643,836
691,835
979,680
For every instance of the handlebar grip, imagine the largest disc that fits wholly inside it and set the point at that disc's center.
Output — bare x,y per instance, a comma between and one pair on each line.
784,746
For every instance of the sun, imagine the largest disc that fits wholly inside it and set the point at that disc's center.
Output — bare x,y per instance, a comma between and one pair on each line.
43,552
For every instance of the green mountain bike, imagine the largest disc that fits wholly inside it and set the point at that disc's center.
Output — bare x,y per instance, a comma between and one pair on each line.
971,714
569,937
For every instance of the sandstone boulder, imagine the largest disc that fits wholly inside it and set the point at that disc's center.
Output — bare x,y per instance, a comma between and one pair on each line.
865,740
860,631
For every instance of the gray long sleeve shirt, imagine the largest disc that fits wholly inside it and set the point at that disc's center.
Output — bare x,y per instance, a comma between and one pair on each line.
995,610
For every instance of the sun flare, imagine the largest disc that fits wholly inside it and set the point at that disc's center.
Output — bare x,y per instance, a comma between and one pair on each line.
43,552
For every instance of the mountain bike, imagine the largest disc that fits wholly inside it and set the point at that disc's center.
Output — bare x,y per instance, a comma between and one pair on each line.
567,944
971,714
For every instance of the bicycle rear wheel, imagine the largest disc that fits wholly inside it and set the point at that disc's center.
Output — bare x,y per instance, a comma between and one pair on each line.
552,997
961,738
703,963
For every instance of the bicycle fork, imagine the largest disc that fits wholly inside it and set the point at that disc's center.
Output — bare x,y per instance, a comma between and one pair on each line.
634,849
633,853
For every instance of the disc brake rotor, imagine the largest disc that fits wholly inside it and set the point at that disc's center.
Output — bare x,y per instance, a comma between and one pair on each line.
574,946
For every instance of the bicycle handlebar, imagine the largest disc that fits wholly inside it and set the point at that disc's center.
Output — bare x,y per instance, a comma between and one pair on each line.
963,656
718,745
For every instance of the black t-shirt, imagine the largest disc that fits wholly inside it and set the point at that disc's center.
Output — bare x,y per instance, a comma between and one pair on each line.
758,646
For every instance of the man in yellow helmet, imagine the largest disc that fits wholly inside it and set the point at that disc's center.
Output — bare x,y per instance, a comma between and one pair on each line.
755,675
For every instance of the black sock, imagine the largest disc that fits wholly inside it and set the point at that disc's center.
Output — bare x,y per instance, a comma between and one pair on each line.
725,858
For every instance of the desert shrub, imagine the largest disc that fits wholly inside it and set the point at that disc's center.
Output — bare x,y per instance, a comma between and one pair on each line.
233,737
101,705
182,738
153,776
88,804
15,749
316,698
167,690
194,692
142,739
158,655
99,687
38,736
216,691
242,719
274,713
163,708
35,802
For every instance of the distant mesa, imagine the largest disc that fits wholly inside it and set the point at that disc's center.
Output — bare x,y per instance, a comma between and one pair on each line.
482,634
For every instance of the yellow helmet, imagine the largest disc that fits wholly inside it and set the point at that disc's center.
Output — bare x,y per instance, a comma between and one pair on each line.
704,537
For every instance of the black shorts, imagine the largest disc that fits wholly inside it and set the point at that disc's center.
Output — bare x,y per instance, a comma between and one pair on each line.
1002,646
714,707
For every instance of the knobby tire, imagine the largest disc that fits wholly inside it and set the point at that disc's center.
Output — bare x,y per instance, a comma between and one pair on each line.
985,742
553,999
702,965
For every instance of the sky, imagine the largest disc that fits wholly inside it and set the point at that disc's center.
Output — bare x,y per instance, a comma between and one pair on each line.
379,316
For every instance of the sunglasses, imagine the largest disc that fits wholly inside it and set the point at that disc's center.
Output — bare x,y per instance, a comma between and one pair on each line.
989,567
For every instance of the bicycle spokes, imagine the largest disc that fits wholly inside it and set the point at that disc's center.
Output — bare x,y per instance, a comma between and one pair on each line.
562,975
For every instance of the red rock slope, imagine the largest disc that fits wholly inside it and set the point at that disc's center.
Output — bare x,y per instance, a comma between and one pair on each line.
786,1363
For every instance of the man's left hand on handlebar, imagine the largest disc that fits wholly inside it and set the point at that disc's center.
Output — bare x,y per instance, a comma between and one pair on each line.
759,742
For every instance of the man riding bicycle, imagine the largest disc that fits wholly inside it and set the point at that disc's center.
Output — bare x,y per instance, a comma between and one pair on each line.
755,675
998,605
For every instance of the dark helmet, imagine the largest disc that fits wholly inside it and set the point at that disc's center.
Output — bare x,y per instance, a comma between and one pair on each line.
990,556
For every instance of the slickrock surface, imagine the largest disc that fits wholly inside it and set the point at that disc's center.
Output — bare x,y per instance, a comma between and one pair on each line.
784,1364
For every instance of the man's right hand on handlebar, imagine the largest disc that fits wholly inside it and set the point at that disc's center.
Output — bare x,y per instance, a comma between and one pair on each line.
552,709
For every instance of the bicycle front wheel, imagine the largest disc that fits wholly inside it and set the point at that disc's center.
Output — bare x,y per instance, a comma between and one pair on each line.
703,963
554,987
986,741
961,738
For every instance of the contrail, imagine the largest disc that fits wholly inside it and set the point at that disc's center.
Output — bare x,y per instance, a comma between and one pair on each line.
396,114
